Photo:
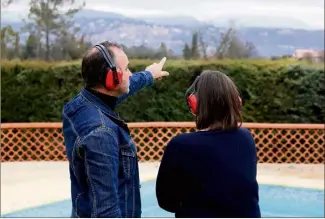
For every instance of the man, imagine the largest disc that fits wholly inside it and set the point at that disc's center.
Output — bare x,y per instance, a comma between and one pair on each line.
102,157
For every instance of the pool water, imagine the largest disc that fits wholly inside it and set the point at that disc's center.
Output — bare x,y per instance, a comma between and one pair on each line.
275,201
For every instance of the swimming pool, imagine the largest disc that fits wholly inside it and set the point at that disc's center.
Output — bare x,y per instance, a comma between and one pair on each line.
275,201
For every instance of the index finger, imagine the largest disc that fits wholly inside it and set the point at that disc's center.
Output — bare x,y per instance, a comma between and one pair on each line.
162,62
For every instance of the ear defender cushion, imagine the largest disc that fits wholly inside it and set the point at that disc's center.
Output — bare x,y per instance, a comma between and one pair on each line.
192,101
109,82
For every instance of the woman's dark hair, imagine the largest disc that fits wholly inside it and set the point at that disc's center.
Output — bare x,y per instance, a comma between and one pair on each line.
218,102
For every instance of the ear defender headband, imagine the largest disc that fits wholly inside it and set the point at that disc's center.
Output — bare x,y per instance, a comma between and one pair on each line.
191,97
112,78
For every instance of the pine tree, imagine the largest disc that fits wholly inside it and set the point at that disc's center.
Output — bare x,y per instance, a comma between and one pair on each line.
195,46
48,20
187,52
162,51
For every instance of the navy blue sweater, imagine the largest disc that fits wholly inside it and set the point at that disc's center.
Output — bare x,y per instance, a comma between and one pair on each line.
209,174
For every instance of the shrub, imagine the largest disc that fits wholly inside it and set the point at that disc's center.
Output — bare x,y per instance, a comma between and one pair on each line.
272,91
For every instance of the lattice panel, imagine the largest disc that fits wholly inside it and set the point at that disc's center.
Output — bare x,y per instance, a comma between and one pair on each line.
274,145
289,146
32,144
151,142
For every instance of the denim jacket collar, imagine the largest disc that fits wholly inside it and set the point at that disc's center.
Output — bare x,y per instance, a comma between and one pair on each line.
98,104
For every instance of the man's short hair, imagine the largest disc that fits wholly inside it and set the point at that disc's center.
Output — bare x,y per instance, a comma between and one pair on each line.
218,102
94,65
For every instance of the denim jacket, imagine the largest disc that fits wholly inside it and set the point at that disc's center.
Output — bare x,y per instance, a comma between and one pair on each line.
103,161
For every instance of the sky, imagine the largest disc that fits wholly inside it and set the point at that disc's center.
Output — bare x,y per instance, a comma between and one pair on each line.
310,12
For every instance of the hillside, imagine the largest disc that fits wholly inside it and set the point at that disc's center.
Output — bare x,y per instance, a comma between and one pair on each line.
175,31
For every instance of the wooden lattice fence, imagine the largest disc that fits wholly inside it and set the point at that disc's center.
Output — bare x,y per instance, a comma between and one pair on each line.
276,143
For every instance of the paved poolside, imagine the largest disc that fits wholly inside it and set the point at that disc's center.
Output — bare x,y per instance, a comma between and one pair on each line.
42,183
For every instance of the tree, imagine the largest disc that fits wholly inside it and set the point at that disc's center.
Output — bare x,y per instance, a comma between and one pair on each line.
162,51
9,43
238,49
203,46
31,47
69,47
5,3
225,39
187,53
251,50
48,20
232,47
195,46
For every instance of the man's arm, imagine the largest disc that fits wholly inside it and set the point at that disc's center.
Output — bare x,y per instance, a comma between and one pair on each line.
138,81
101,157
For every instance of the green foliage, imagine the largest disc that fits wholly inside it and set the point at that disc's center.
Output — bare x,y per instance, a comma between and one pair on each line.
195,46
187,53
281,91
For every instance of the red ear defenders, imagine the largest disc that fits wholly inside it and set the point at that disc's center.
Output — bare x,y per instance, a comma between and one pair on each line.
112,78
191,97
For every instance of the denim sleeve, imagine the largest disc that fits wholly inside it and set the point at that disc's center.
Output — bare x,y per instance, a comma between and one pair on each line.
168,183
101,156
138,81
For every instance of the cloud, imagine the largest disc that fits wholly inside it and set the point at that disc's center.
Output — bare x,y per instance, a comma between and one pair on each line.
310,12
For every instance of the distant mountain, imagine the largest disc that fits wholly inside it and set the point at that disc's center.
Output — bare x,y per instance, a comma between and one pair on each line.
261,21
91,14
221,21
185,21
176,30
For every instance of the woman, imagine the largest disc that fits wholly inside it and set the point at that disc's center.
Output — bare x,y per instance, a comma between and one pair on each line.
211,172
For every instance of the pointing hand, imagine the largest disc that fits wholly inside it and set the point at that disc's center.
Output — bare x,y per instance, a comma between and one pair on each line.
156,69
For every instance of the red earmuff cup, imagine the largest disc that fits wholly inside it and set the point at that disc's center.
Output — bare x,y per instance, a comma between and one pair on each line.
110,80
192,101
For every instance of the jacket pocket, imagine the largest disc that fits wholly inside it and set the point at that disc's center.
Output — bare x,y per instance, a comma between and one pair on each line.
129,160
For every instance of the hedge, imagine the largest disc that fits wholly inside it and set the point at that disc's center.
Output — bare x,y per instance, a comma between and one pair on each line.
272,91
